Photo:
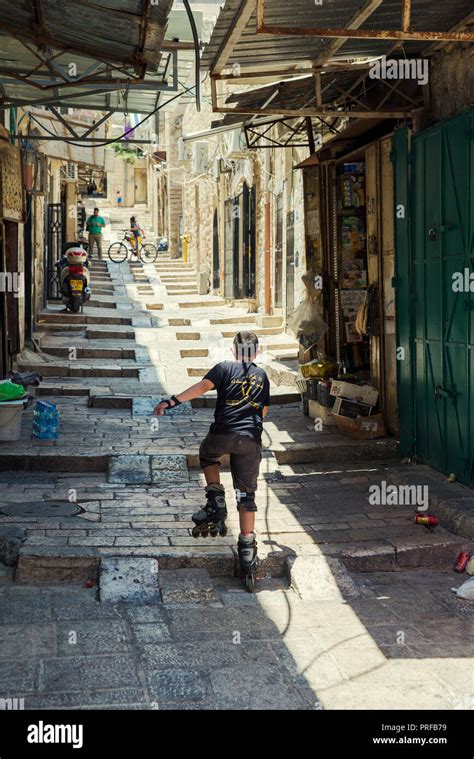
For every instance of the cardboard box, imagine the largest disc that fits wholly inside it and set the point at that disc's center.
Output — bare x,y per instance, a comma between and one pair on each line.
350,408
316,411
362,428
362,393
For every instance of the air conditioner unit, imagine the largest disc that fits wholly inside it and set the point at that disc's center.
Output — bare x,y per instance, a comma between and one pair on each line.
234,144
181,149
71,172
200,157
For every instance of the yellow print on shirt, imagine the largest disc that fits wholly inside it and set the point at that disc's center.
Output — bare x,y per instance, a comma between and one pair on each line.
247,386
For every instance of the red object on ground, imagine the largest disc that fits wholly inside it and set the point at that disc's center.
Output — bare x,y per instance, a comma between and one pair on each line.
427,520
461,562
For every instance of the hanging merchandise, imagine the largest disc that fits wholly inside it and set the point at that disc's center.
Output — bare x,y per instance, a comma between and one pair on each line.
306,324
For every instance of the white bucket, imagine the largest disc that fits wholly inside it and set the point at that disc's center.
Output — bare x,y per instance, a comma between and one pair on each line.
11,413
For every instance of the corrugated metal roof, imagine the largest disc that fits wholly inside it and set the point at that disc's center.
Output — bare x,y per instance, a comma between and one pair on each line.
113,30
115,36
261,50
301,92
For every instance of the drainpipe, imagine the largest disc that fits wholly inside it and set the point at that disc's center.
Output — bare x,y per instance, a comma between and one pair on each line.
268,300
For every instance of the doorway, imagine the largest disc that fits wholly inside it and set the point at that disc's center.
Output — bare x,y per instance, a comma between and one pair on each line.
141,194
435,319
248,241
290,263
55,232
278,285
216,281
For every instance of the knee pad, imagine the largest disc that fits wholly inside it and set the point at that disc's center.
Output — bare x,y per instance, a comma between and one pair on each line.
246,501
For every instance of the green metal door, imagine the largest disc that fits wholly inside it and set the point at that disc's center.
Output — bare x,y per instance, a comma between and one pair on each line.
437,323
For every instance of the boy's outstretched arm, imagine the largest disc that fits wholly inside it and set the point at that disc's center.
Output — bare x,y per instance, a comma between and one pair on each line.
187,395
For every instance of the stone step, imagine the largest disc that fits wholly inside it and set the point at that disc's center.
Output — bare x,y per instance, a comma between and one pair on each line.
193,291
59,319
283,345
102,353
188,335
179,322
56,390
203,304
72,370
256,330
248,319
434,550
194,352
174,268
109,334
182,289
56,327
52,564
283,374
138,573
101,303
284,354
170,279
334,448
263,320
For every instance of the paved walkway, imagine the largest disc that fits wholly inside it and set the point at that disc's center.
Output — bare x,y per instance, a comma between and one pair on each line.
383,641
354,607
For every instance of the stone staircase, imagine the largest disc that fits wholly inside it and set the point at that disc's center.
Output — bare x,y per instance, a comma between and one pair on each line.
118,219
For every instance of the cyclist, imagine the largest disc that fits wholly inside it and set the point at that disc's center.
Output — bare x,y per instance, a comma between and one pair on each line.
137,235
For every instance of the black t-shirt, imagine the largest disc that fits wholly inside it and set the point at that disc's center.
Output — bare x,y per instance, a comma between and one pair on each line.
243,390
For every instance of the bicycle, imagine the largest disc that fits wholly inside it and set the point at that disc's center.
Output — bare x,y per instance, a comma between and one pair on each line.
119,251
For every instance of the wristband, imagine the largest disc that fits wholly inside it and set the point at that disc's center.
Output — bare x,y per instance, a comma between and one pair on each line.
176,402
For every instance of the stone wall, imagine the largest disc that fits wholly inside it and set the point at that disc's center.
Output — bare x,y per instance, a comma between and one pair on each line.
451,81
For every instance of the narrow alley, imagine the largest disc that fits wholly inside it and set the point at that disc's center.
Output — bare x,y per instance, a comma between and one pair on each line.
236,393
114,495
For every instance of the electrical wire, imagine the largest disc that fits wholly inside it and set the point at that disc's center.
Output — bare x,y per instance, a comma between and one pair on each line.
112,141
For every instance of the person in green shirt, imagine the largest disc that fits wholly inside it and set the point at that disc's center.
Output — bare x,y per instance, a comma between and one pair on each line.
95,224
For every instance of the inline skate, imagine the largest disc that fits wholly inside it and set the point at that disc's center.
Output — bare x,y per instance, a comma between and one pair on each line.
247,552
211,519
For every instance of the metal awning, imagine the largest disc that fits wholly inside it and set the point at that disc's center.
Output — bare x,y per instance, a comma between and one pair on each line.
272,40
107,55
303,31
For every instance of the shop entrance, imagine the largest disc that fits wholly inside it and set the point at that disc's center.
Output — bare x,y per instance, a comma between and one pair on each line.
352,269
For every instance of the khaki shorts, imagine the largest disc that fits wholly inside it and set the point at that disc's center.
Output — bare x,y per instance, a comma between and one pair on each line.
245,457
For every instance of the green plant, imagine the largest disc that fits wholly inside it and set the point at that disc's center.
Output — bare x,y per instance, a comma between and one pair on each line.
127,152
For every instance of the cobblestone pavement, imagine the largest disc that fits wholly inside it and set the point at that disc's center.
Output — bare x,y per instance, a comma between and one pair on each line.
388,641
118,606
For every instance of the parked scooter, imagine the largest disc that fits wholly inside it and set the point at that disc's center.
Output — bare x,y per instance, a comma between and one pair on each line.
74,276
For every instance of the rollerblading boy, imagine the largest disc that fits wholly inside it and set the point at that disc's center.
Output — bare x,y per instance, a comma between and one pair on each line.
243,398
